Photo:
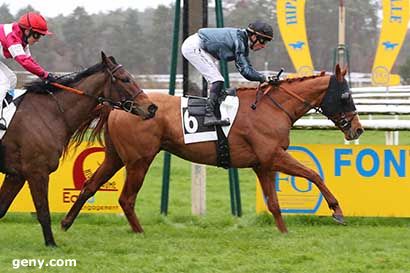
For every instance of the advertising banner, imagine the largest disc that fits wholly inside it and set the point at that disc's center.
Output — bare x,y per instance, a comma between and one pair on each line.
393,31
367,180
292,26
65,184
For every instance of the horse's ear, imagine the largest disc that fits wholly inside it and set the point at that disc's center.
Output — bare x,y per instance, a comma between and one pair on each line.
322,73
338,73
103,57
107,60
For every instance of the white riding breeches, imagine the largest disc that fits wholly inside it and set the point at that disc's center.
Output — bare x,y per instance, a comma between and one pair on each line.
204,62
8,80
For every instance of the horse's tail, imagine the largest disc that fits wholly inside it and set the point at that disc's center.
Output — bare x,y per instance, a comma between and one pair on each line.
95,121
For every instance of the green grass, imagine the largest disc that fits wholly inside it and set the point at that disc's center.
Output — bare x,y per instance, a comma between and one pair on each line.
336,137
216,242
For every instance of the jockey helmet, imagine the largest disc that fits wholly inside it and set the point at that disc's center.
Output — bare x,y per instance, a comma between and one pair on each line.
35,22
261,29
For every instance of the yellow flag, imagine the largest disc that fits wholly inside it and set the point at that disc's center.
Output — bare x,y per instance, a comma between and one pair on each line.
394,28
292,26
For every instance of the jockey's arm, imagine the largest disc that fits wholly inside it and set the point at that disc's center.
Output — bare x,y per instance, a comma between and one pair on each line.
27,62
244,66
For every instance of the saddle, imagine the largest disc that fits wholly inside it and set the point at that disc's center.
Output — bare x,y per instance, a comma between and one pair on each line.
196,108
196,105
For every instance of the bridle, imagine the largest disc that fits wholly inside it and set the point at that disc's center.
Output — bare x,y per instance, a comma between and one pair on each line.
341,120
126,104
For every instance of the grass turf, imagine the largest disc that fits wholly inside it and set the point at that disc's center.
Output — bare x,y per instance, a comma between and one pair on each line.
216,242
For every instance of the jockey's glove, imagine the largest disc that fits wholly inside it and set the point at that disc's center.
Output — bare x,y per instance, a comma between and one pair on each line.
273,80
50,78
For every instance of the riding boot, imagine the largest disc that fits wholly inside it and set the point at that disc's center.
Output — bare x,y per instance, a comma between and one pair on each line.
211,105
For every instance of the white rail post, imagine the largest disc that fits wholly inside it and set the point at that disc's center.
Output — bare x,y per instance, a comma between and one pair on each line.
396,133
389,137
198,189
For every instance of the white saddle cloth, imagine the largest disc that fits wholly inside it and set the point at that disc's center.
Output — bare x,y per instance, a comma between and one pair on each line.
10,109
193,126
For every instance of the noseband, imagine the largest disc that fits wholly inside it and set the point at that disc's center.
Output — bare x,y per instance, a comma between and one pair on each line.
342,122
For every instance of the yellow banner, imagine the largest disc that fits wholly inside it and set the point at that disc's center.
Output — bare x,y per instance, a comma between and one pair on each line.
394,28
367,180
292,26
66,183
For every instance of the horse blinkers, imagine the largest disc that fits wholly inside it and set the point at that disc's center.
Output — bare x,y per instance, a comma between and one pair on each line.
338,104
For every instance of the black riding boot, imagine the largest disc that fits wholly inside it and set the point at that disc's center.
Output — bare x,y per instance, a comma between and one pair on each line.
211,105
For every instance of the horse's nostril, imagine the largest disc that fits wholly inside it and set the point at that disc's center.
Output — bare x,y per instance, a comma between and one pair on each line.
359,131
152,108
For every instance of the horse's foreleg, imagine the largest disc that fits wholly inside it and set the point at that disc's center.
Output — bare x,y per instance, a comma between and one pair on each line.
267,182
38,184
104,172
11,186
284,162
133,183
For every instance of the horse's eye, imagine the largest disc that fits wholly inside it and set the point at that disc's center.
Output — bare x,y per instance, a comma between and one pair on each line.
126,80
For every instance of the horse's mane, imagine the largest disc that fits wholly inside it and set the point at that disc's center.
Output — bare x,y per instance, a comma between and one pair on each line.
99,116
39,86
290,80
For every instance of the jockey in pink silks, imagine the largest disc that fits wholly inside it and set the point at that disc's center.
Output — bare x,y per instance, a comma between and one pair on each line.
15,39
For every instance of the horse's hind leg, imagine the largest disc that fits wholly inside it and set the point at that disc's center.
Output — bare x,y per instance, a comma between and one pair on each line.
38,184
11,186
112,163
267,182
133,183
284,162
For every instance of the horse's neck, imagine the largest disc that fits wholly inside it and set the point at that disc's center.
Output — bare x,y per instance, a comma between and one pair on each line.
311,90
76,108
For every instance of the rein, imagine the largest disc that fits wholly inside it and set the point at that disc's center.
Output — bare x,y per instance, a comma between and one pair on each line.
126,105
260,94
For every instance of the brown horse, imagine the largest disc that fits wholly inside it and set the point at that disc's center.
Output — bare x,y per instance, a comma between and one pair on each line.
258,139
44,123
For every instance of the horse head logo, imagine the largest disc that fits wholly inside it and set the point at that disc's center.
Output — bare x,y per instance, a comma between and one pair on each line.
80,174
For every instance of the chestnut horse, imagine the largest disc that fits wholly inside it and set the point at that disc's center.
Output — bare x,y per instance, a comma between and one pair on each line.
258,139
48,117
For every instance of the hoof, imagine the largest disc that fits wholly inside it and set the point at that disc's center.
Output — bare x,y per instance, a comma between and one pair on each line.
339,219
65,225
51,245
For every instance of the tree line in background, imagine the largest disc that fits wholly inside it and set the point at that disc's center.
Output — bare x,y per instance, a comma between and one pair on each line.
142,40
